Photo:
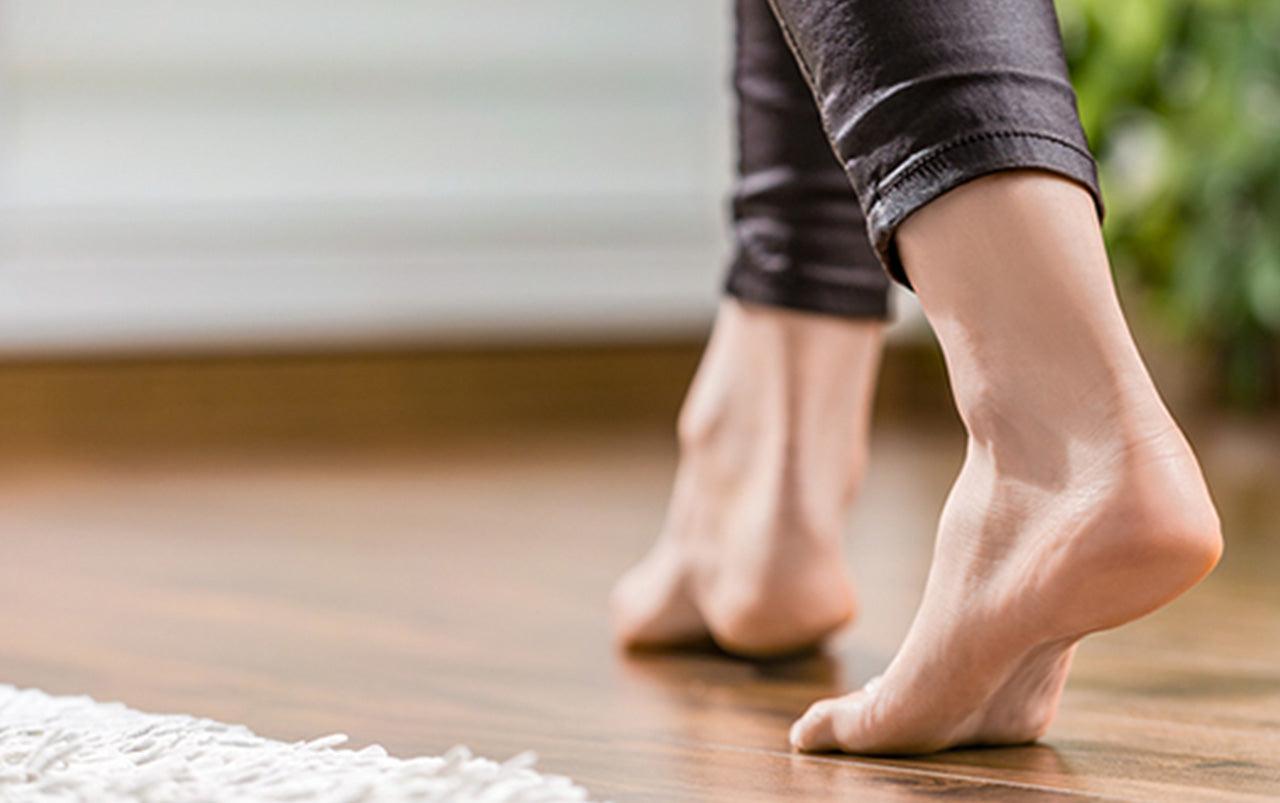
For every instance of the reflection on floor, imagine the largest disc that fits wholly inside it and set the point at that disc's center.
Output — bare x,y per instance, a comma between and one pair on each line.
457,597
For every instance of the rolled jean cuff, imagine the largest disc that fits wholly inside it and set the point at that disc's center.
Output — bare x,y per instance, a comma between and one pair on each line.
928,175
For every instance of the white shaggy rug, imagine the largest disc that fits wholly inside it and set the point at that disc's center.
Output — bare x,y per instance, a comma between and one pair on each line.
55,749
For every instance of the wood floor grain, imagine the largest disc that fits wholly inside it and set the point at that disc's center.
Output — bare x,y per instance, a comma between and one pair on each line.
457,596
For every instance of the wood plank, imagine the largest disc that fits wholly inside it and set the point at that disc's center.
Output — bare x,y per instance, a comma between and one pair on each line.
457,596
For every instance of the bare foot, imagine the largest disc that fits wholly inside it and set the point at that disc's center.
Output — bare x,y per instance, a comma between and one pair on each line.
1079,507
773,440
1024,567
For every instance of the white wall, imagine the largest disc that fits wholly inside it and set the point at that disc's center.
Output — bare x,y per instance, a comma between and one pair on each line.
178,173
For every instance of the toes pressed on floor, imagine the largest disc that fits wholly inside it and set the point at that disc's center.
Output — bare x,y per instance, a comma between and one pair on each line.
812,732
818,729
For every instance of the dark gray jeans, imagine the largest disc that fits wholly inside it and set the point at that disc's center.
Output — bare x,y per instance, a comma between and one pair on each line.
852,114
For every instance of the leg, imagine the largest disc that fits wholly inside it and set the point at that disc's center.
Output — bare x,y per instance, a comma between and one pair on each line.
1080,506
920,96
773,433
799,234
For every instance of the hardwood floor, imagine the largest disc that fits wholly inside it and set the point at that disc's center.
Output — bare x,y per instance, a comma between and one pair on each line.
457,596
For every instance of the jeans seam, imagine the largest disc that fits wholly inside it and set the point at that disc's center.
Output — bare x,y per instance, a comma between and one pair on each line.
881,190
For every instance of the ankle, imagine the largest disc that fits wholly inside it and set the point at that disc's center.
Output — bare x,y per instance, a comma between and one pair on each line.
1058,413
1123,464
782,401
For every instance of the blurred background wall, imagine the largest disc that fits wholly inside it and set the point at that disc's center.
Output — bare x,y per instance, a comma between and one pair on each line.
242,218
214,173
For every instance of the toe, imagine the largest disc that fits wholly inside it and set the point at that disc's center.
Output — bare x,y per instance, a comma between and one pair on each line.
823,727
813,732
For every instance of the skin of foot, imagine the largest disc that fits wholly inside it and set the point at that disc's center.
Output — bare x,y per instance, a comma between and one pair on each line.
1079,506
773,440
